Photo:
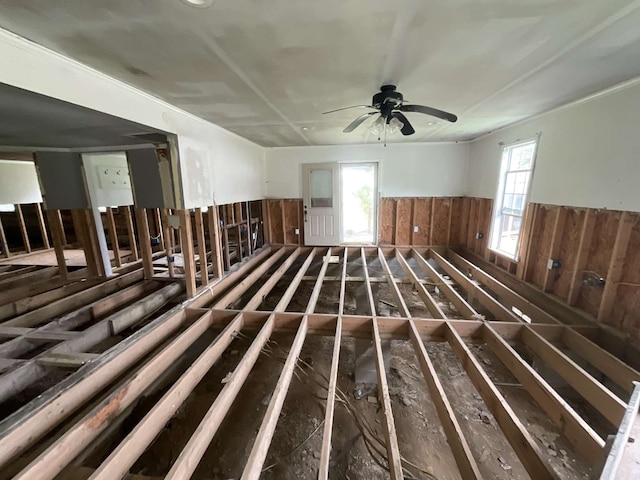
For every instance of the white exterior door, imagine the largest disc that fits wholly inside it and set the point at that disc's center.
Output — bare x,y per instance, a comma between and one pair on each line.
321,204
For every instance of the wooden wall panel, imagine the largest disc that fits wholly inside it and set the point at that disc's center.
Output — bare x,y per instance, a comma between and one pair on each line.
567,253
626,307
386,221
404,215
440,221
540,245
276,221
456,225
422,220
292,221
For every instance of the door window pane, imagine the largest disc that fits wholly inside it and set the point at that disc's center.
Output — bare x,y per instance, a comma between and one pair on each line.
321,188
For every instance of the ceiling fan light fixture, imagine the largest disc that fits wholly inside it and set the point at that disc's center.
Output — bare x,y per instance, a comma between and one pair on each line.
395,125
198,3
378,126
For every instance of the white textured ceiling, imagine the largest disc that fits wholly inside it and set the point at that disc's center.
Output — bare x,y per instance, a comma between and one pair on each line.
266,69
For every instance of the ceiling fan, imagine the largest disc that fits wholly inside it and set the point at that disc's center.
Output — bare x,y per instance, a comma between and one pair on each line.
389,105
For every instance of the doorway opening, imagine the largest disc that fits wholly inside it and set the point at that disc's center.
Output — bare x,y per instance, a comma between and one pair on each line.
359,204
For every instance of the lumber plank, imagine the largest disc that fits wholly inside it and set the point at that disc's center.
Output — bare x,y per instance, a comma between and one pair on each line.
424,295
131,232
43,227
466,310
554,247
583,438
215,241
168,242
59,240
523,443
144,237
459,446
401,304
113,237
202,248
600,397
586,235
4,246
23,228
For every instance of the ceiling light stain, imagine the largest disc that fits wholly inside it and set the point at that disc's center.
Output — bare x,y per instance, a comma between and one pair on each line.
198,3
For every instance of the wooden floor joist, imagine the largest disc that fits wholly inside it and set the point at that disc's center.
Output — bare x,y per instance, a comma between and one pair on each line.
58,328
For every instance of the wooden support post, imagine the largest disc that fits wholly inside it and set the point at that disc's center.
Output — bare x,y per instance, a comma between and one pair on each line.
625,227
168,242
424,295
145,242
186,242
4,246
554,248
466,310
159,230
215,242
202,248
461,451
586,235
62,231
43,226
81,230
225,238
113,237
57,232
525,247
133,244
249,230
583,438
523,443
23,228
600,397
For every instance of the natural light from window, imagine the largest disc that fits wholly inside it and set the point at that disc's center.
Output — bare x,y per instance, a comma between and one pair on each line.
511,200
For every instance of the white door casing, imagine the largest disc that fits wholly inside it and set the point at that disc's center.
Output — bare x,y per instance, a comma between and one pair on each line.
321,204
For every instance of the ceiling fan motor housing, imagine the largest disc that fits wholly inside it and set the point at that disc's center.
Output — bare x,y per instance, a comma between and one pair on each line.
387,98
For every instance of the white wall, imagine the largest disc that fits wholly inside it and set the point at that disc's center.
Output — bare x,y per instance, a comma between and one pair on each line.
18,182
102,195
209,155
405,170
588,153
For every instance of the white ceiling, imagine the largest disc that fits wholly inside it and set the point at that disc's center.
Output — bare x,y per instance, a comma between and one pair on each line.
268,69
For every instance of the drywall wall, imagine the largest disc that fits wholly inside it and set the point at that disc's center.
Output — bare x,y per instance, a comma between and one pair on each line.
209,155
18,182
587,153
405,170
62,180
108,191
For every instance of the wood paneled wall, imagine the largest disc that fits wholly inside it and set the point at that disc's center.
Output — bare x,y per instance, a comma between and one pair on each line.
589,244
285,216
437,220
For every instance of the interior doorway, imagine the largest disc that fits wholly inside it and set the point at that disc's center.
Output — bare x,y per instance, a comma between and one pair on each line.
359,205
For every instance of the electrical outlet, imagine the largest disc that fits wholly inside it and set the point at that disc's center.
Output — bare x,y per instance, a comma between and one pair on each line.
415,229
479,235
551,264
297,231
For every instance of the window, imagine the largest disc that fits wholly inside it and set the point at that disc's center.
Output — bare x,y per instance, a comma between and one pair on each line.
511,200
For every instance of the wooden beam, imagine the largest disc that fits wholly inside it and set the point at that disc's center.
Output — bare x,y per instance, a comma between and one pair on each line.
455,437
499,311
202,248
23,228
600,397
168,243
583,438
525,236
258,454
186,244
554,248
611,366
92,235
81,230
393,451
157,216
145,243
43,226
395,291
507,295
466,310
131,233
586,235
523,443
225,238
625,227
3,242
215,241
424,295
113,237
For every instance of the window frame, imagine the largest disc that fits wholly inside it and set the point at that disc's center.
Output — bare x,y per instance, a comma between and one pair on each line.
498,206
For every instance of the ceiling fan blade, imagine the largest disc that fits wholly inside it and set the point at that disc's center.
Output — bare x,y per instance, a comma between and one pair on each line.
406,129
347,108
356,123
434,112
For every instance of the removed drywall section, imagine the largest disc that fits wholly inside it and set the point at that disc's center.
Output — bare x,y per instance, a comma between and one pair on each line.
107,175
62,180
18,182
405,170
587,154
209,155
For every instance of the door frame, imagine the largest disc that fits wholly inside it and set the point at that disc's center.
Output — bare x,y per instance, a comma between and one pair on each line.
376,197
